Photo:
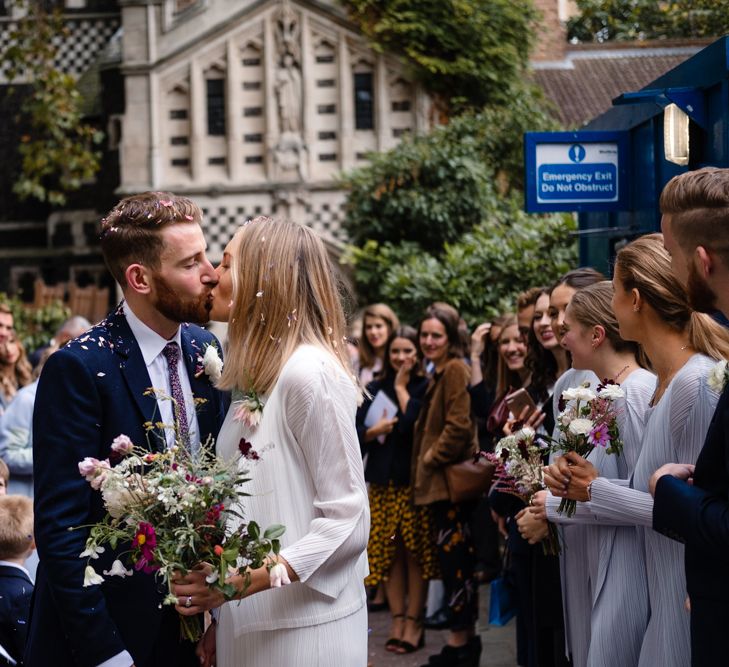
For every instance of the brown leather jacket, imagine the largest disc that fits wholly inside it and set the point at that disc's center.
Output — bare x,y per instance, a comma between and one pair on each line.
444,433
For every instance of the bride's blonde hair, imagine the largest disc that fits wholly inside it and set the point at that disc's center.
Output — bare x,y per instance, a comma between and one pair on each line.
284,293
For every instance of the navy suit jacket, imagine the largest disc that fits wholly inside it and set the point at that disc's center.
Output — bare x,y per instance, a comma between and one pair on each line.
698,515
16,589
90,392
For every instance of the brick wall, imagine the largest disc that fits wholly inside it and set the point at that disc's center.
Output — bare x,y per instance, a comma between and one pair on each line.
551,34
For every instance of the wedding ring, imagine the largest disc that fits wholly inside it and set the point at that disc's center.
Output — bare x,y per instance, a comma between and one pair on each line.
188,602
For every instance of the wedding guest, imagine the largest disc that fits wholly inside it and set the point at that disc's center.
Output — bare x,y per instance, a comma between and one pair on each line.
617,568
308,474
16,424
512,375
16,585
576,598
547,360
484,353
378,322
445,434
15,370
69,329
7,323
652,309
399,550
695,225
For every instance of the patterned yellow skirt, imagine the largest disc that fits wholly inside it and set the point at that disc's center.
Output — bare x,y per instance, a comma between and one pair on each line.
393,514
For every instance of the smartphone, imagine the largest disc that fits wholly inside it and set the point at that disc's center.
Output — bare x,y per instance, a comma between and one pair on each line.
517,401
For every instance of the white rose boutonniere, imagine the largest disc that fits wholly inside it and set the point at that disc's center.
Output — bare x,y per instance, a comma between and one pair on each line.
718,376
212,363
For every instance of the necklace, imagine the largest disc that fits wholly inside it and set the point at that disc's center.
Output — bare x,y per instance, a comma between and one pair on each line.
663,384
625,368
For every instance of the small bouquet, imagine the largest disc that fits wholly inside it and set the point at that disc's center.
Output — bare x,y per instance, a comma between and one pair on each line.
588,419
519,460
170,511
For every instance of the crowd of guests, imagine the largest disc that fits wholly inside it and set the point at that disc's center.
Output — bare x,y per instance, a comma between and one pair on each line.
617,592
436,395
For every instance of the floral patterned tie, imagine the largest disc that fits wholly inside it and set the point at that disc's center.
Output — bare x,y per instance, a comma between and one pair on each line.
172,354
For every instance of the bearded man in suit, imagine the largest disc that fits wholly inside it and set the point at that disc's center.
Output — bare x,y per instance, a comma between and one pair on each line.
692,502
95,389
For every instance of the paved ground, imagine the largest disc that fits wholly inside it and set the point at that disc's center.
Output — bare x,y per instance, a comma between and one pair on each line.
499,647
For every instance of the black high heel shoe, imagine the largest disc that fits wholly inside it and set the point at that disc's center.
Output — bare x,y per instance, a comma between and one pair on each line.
393,644
407,647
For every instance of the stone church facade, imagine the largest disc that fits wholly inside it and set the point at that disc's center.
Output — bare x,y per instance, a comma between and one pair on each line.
256,107
247,106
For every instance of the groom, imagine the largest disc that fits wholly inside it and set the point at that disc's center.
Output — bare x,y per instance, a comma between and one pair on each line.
90,392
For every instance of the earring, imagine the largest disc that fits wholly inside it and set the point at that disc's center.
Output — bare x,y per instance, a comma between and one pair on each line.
636,309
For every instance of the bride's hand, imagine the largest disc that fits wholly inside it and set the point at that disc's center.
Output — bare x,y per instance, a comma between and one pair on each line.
193,593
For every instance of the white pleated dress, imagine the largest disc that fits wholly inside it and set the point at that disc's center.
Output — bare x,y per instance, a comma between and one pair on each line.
310,479
574,564
617,581
674,433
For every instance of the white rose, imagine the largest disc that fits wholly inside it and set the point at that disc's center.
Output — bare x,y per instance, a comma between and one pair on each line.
584,394
717,377
611,392
212,363
569,394
527,433
581,426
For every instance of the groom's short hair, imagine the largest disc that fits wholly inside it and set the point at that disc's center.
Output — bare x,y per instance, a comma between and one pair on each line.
698,205
130,232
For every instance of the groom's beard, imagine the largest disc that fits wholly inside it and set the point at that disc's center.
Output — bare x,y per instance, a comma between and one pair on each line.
178,308
701,296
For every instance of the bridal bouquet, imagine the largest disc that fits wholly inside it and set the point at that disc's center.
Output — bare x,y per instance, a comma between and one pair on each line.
519,460
588,419
169,511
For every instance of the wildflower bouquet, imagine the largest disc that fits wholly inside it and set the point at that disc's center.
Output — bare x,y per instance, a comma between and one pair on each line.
519,460
169,511
588,419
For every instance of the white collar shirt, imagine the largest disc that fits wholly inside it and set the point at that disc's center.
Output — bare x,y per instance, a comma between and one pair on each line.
151,345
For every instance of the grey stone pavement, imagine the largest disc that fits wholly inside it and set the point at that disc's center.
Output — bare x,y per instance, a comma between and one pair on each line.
499,644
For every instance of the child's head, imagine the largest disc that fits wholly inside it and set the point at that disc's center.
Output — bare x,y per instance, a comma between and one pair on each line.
4,477
16,527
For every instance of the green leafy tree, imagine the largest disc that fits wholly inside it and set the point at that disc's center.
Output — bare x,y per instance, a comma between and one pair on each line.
438,186
57,152
479,274
465,52
35,326
608,20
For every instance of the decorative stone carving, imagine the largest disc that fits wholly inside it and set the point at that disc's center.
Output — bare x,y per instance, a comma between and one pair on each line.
290,149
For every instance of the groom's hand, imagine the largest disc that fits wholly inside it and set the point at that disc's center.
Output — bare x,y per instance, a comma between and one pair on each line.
193,593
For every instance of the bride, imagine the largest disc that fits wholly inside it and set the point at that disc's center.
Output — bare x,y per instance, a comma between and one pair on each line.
286,347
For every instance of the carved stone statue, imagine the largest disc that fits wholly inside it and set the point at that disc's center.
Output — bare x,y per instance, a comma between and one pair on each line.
289,152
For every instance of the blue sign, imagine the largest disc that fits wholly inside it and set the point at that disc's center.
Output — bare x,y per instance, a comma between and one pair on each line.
576,171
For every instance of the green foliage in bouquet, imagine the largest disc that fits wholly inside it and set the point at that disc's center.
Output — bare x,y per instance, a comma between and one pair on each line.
168,512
